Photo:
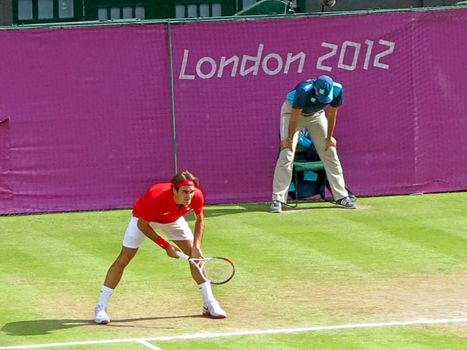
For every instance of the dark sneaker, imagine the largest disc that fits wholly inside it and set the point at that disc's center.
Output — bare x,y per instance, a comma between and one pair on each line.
276,206
345,203
352,197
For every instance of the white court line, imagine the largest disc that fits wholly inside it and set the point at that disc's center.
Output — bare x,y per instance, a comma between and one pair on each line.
144,341
59,345
148,345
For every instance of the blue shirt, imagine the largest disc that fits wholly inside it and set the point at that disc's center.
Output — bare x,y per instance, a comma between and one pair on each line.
303,97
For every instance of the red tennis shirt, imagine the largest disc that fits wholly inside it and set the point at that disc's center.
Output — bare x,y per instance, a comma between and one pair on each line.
157,204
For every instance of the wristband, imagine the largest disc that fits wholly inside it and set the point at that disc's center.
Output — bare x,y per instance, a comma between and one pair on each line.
161,242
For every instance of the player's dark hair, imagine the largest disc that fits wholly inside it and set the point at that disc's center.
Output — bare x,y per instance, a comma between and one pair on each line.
182,176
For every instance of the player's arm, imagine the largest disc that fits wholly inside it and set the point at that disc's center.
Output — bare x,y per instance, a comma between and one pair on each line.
331,115
198,236
152,235
287,143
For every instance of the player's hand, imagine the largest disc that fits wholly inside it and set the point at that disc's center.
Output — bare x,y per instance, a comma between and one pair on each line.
286,144
196,252
172,252
331,143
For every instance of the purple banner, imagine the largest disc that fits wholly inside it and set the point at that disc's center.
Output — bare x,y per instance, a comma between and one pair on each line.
399,130
89,116
85,112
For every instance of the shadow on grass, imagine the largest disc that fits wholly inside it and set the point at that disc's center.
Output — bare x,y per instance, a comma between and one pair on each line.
305,204
230,209
41,327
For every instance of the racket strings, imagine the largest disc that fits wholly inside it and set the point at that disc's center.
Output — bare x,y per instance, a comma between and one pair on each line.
218,270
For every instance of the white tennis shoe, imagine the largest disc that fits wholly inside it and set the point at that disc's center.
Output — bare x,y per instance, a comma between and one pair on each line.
276,207
101,316
214,310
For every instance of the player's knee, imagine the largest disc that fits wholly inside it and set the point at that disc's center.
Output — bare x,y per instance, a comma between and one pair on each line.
123,260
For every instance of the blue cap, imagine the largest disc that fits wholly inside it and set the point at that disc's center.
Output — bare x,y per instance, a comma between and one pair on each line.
324,86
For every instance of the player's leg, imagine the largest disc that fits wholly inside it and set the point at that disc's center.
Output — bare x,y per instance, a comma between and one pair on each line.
211,307
115,272
186,247
131,241
317,128
180,233
284,164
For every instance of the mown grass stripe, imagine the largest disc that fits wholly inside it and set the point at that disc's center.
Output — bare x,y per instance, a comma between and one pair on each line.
427,322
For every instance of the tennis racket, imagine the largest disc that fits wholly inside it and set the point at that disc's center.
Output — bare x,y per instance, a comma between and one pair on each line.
217,270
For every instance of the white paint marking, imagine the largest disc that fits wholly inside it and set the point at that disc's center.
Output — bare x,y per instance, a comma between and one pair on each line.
242,333
148,345
309,329
59,345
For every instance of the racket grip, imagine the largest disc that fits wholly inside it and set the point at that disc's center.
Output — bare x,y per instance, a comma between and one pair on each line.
182,255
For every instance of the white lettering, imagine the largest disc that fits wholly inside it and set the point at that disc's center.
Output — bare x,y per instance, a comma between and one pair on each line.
232,60
184,63
369,43
211,72
279,64
272,64
389,51
256,60
341,63
321,59
346,49
290,59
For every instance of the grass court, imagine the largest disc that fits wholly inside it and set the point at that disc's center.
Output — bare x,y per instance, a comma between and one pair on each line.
390,275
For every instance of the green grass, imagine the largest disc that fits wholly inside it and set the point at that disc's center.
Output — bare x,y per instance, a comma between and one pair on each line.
395,339
398,258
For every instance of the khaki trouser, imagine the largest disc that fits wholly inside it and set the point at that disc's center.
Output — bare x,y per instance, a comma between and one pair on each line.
316,124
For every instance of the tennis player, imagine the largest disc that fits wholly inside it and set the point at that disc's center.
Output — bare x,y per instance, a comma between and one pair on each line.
162,208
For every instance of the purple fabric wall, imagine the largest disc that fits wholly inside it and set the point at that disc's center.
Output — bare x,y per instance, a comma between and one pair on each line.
400,130
85,119
88,116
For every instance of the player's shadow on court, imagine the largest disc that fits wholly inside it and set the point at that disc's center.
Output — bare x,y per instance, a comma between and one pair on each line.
220,210
304,204
41,327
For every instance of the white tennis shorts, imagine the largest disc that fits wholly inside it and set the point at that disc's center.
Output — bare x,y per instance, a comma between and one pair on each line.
176,231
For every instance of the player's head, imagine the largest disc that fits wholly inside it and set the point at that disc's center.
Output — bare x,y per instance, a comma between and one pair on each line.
183,187
323,88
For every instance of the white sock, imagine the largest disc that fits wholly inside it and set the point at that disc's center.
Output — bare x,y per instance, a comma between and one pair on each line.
206,292
106,292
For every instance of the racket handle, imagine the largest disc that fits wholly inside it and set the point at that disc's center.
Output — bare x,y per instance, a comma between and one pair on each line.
182,255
